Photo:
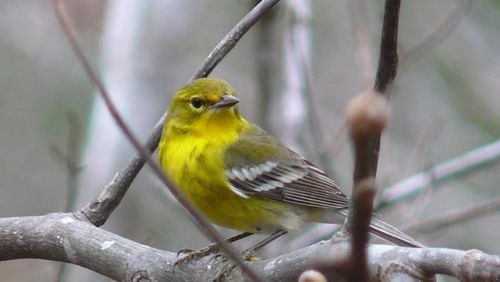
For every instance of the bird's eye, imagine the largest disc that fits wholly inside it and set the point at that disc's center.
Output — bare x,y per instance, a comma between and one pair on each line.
196,102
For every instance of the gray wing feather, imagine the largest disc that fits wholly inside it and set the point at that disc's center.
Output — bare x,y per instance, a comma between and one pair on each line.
281,174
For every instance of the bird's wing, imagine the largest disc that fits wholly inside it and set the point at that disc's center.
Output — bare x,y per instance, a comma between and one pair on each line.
257,164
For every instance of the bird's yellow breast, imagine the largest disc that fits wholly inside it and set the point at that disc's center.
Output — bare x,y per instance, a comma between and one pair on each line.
194,162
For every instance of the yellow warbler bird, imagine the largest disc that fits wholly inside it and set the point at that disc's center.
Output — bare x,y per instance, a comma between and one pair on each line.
241,177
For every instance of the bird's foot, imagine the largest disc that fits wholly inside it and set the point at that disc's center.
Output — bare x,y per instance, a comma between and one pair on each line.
191,254
249,255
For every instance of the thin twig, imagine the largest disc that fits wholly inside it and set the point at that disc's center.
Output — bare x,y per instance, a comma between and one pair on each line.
440,33
203,224
463,165
454,217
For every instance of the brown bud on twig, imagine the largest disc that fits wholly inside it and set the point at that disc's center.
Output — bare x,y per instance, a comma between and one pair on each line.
367,114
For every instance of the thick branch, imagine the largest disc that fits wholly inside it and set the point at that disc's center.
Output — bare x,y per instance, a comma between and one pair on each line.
357,223
366,165
64,237
367,116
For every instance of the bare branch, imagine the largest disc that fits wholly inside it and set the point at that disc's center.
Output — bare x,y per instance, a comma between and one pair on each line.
386,261
407,188
357,225
455,217
366,117
460,166
388,58
439,34
367,159
64,237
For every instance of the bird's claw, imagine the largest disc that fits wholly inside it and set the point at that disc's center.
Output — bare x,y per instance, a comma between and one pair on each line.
190,254
195,254
249,255
185,251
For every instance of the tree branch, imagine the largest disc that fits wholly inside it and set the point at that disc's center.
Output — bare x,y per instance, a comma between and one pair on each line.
442,31
357,225
367,116
460,166
409,187
455,217
388,58
65,237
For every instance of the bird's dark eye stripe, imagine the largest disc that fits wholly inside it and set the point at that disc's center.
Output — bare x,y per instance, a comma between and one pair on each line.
196,102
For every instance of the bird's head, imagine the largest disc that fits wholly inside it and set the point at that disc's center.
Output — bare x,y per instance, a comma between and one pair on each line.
205,102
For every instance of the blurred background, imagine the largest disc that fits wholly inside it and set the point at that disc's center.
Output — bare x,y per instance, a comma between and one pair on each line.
56,137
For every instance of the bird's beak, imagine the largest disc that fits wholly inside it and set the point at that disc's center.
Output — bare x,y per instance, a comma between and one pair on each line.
225,101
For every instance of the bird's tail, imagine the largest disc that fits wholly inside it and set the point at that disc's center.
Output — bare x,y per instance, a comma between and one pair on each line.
390,233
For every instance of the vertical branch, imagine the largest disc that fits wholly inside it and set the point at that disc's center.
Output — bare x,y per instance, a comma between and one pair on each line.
357,225
367,116
297,51
367,158
388,58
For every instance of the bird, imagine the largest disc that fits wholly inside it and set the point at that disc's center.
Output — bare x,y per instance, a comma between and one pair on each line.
239,176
